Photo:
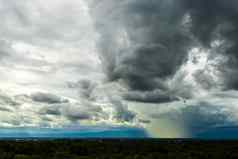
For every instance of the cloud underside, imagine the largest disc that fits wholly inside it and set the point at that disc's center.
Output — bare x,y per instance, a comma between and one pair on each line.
147,45
49,110
127,62
169,51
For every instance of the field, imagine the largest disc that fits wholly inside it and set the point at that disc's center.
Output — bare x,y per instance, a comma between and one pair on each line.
117,149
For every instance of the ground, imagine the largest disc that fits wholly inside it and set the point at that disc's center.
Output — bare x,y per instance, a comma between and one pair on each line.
117,149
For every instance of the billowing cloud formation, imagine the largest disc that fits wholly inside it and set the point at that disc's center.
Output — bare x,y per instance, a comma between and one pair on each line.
49,110
214,23
143,43
146,44
172,52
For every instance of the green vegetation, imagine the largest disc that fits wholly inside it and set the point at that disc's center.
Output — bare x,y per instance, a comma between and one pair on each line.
117,149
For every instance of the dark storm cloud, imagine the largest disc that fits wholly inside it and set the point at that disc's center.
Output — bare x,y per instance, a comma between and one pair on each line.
79,116
158,41
144,43
155,96
217,20
206,16
47,98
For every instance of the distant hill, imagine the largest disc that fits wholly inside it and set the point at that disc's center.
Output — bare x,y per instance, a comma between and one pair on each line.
82,132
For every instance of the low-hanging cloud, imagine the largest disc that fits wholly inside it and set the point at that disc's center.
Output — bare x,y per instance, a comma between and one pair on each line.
122,113
47,98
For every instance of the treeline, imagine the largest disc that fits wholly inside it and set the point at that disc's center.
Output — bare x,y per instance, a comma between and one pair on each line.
117,149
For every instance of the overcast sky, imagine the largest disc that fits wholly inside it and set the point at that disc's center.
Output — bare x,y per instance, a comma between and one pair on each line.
167,66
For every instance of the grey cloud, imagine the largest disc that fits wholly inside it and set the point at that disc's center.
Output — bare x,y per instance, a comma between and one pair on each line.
5,49
144,121
204,79
14,122
34,23
156,96
227,95
79,116
154,54
51,110
9,57
41,47
87,112
74,112
4,109
8,100
144,44
122,113
180,88
208,16
47,98
85,86
10,60
33,35
217,20
8,106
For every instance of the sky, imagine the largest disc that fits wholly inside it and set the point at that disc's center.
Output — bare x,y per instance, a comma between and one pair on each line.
152,68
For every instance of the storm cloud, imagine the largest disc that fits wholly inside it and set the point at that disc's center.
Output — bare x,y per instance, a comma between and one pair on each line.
216,21
145,44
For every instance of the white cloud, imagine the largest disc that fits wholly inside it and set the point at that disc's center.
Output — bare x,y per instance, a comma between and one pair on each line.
43,46
46,40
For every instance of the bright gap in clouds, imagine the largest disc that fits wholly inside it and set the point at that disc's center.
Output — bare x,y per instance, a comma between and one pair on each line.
199,64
